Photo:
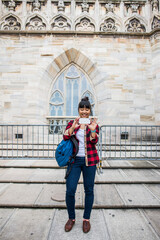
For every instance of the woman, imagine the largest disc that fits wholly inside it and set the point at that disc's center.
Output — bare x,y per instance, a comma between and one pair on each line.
85,161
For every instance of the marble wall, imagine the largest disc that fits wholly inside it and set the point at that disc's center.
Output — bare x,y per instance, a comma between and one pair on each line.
123,69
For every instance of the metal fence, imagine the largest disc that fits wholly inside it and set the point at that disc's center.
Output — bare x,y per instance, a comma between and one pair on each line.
129,142
115,142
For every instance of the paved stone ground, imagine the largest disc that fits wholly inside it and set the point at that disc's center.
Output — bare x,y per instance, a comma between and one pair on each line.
126,206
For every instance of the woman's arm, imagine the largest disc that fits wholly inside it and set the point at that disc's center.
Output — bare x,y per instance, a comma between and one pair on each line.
70,129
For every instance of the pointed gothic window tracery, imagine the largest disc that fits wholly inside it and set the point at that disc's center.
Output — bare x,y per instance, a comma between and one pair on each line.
71,85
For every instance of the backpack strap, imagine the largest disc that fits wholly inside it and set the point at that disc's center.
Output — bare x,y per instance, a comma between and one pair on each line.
75,143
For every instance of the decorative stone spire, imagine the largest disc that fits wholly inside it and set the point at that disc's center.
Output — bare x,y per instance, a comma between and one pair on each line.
61,6
155,4
134,8
109,7
85,6
11,5
36,6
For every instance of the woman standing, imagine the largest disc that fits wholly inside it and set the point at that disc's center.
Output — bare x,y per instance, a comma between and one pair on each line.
85,161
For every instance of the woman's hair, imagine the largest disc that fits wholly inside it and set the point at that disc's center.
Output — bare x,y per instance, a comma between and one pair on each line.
85,103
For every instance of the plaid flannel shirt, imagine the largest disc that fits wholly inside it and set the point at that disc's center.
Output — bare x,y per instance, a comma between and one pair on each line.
91,155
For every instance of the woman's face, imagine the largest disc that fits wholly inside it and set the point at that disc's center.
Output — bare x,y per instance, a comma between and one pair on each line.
84,112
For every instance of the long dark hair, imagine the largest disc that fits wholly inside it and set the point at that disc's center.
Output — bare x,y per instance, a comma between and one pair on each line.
85,103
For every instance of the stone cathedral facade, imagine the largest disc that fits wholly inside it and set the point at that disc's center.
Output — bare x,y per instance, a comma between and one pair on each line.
54,52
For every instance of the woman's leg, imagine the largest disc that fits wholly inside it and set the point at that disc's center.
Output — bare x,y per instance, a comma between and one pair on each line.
88,178
71,186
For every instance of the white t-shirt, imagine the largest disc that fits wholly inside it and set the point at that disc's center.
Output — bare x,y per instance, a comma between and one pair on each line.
80,137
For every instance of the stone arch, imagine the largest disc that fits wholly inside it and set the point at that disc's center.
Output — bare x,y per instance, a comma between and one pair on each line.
155,22
60,22
10,22
35,22
71,56
110,22
84,23
135,24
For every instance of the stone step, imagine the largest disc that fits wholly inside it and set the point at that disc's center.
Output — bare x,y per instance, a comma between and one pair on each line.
106,224
45,163
53,195
50,175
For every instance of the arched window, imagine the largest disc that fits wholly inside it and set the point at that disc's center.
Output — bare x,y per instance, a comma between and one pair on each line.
56,104
71,85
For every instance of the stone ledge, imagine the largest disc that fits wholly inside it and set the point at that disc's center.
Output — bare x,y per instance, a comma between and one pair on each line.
75,33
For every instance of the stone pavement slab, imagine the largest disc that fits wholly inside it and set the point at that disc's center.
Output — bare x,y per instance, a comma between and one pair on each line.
110,224
20,194
26,224
52,163
128,225
16,174
137,195
106,195
50,175
54,195
153,216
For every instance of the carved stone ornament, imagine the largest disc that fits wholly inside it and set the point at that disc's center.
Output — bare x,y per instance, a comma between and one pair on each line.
85,6
85,25
108,26
155,4
60,23
11,5
36,23
36,6
10,23
109,7
156,23
61,6
135,26
134,8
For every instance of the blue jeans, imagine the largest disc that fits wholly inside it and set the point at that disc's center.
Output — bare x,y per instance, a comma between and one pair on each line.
71,186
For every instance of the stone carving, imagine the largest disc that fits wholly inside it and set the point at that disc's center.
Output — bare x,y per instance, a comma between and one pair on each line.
108,26
85,25
134,8
135,26
85,6
109,7
61,6
36,6
60,23
155,4
156,22
35,23
10,23
11,5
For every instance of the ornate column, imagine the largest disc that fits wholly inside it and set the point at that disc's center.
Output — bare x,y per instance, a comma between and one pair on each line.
122,9
0,7
148,11
97,15
73,8
24,8
49,7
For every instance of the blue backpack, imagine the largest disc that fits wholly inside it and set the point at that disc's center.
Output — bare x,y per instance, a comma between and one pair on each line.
64,152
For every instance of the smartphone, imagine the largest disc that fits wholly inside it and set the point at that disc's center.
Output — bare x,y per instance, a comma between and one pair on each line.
84,121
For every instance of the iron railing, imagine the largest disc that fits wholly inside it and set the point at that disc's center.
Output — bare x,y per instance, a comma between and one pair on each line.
129,142
115,142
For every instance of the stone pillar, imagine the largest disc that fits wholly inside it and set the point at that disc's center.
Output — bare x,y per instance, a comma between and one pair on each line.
24,8
49,7
122,9
97,15
0,7
155,46
73,9
148,12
